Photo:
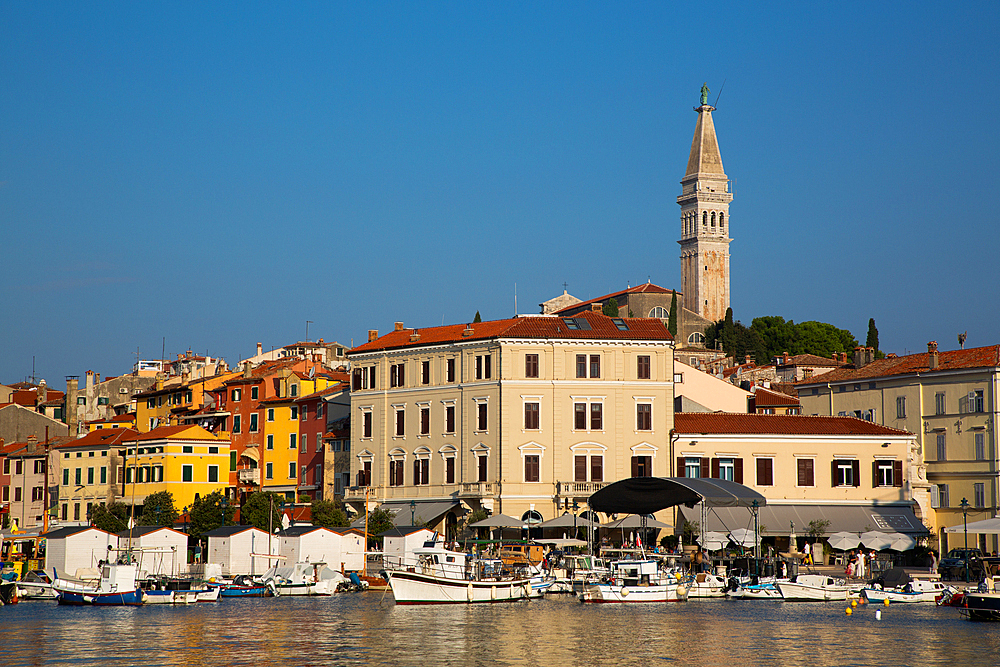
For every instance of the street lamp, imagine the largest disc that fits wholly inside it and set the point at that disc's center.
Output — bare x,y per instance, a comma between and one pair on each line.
576,506
413,509
965,519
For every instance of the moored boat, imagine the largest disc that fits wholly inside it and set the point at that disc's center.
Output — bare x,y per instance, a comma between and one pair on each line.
304,579
918,590
633,581
116,587
35,585
245,587
982,606
814,587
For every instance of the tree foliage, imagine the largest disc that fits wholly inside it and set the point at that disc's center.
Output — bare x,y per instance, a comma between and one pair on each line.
328,514
262,510
208,513
477,319
672,321
112,518
379,521
158,510
872,340
611,308
772,335
735,339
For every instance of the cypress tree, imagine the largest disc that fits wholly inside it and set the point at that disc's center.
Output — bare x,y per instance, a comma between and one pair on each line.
872,341
672,322
611,308
477,318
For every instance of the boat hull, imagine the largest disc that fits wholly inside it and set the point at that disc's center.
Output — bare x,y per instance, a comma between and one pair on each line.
983,606
418,588
877,596
808,593
607,593
120,599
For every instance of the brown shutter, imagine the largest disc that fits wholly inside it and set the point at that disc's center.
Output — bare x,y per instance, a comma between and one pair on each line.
856,467
705,466
425,471
715,468
635,466
416,472
738,471
897,473
596,468
833,473
680,467
874,474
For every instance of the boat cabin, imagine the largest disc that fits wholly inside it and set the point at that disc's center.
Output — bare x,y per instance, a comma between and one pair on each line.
521,555
634,572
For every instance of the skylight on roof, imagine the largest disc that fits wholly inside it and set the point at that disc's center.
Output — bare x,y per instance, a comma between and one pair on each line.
620,323
583,323
571,323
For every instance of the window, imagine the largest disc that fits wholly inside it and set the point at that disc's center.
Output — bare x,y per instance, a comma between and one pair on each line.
449,419
292,440
81,400
236,394
531,468
845,473
79,476
187,449
270,414
727,469
319,442
580,416
319,410
232,459
942,448
481,421
596,416
765,472
901,407
90,476
806,475
76,511
17,494
449,470
642,466
450,365
692,466
397,375
644,417
596,468
213,474
421,471
642,366
5,495
19,464
150,403
400,422
65,509
939,404
595,365
270,441
295,412
187,473
887,473
482,467
396,471
979,494
425,421
579,468
293,392
484,367
980,439
37,491
291,469
531,365
425,372
696,338
371,378
367,424
531,416
659,312
268,471
581,365
254,393
976,401
236,423
944,497
65,477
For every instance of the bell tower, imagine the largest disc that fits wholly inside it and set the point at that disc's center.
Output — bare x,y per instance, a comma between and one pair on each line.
704,202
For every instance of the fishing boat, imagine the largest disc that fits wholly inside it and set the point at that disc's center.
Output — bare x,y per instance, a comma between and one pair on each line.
436,575
35,585
637,580
814,587
918,590
304,579
707,585
753,588
244,586
116,587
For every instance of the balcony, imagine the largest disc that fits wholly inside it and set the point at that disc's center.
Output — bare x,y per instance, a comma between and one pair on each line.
479,490
578,489
248,476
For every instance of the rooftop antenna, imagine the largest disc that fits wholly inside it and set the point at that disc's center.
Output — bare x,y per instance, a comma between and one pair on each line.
515,299
961,340
308,322
716,105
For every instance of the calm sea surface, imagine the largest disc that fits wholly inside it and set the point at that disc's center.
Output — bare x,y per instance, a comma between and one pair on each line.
368,629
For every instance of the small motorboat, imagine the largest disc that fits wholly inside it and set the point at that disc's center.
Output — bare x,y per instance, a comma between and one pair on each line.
304,579
631,581
918,590
36,585
814,588
244,586
117,586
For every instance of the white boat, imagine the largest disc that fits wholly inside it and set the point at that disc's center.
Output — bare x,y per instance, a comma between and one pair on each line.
814,587
116,587
754,588
918,590
304,579
706,585
575,572
631,581
210,594
36,585
435,575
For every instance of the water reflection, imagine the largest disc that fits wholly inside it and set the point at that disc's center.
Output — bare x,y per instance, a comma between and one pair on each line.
369,629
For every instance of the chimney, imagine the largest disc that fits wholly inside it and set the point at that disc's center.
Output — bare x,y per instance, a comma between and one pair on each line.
320,341
32,447
859,357
746,359
843,357
932,353
90,379
836,357
415,336
69,414
784,358
467,331
246,369
260,349
399,326
43,393
372,334
596,307
869,355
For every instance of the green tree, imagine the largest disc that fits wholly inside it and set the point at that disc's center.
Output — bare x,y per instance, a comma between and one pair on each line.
824,339
208,513
112,518
477,319
611,308
158,510
262,510
776,335
328,514
672,321
872,340
379,521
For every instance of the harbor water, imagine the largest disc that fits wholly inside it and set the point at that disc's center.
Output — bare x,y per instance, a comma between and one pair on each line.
369,629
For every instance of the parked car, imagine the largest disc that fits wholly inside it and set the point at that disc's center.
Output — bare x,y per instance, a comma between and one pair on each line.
953,564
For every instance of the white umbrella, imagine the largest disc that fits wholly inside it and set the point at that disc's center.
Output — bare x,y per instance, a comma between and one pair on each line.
712,541
744,537
498,521
843,541
635,521
876,539
567,521
901,542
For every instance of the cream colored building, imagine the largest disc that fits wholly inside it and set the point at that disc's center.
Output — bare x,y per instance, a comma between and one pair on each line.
697,391
949,400
87,470
852,473
518,415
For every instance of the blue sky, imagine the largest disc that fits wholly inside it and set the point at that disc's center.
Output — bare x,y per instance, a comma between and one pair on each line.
217,174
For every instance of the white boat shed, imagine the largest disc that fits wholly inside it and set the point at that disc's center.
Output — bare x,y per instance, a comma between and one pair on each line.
315,544
74,548
163,549
242,550
402,540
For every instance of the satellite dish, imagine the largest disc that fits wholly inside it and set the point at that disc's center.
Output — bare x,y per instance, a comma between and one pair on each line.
312,372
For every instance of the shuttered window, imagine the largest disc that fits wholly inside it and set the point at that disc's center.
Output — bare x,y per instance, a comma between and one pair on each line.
531,467
765,472
805,472
580,468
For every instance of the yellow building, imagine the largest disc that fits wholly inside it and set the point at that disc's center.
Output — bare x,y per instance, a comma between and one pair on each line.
187,461
126,420
167,403
88,472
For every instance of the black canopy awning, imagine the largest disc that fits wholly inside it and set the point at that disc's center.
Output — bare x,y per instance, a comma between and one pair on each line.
645,495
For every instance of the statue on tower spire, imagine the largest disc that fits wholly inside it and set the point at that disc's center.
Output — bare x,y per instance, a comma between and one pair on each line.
704,93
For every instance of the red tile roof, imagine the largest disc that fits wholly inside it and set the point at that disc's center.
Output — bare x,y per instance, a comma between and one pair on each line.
107,436
767,398
977,357
602,327
332,389
807,360
176,432
706,423
645,288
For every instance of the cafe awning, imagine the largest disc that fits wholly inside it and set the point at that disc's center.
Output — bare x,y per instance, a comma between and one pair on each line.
777,519
424,512
251,453
646,495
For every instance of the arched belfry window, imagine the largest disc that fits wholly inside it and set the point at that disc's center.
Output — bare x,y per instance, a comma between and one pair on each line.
713,219
722,220
704,219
